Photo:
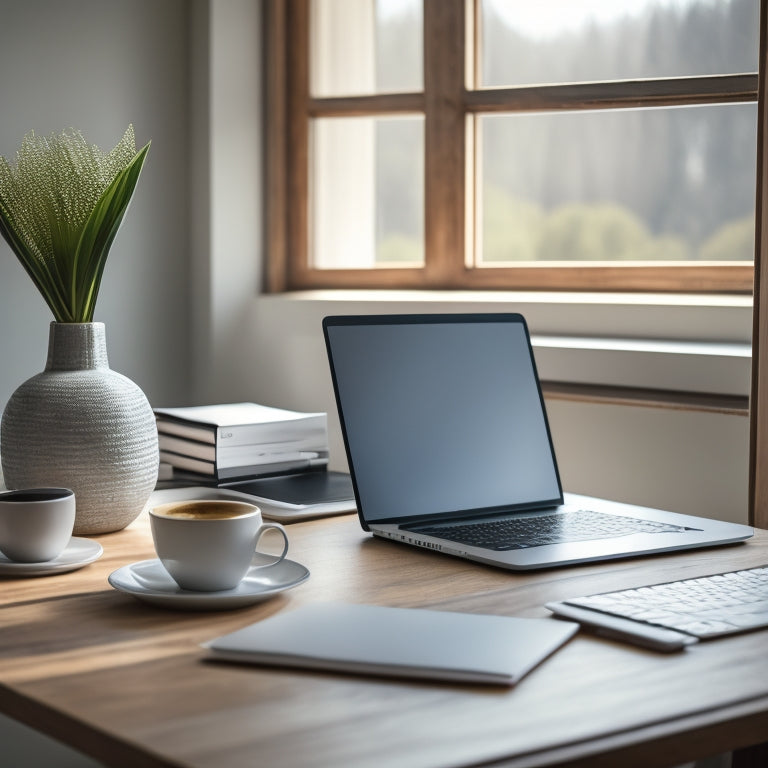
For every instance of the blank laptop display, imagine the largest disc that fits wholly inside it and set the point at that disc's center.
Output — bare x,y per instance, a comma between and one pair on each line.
449,448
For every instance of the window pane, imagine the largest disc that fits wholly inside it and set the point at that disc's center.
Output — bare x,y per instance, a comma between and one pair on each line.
362,47
367,192
558,41
673,184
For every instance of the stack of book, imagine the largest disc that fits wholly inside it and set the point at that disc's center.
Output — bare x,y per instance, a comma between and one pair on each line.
239,441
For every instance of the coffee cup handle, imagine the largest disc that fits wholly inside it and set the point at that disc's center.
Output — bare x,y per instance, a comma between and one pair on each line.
279,558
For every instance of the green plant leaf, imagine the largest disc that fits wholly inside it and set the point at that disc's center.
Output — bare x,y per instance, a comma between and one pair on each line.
61,206
90,255
34,264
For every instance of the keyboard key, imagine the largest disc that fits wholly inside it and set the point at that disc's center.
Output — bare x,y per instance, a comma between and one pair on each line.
541,530
705,607
704,629
749,620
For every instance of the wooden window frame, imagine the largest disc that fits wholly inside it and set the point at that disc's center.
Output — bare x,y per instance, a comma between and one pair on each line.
447,105
758,400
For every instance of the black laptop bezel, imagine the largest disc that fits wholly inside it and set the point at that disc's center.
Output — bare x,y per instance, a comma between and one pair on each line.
442,318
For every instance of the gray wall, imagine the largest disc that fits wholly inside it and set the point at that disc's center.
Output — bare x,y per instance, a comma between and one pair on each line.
98,65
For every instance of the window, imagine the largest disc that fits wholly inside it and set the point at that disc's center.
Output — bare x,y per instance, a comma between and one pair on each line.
566,144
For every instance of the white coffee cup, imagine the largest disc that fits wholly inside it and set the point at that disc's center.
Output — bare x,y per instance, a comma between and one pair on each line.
36,523
209,545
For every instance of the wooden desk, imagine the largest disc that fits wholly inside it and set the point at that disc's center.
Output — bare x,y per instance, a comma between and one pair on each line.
126,683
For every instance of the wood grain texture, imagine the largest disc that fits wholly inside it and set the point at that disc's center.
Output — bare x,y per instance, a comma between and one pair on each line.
370,104
758,464
444,140
128,684
623,94
690,278
297,152
276,201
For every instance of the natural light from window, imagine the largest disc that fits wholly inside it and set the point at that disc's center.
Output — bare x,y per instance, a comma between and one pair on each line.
669,184
510,143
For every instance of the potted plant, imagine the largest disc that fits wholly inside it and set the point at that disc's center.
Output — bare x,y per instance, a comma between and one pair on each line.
78,424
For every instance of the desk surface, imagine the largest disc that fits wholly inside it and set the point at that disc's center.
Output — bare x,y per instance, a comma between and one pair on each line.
127,684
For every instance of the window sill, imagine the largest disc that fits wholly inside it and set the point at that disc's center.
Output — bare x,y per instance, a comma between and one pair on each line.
730,405
674,343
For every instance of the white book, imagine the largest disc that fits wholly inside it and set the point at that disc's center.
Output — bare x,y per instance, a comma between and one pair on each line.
400,642
227,457
287,463
241,424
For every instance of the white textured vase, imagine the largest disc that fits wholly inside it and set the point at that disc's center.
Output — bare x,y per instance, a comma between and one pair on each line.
81,425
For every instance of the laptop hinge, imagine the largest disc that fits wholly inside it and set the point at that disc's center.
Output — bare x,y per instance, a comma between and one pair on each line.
467,515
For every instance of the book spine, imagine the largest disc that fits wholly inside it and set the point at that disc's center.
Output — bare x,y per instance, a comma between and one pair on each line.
188,463
267,470
211,471
238,456
199,433
185,447
264,454
312,427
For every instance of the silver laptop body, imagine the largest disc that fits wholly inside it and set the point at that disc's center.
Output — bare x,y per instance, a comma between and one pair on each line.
445,428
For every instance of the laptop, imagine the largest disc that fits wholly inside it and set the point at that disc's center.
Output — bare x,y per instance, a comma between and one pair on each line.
449,448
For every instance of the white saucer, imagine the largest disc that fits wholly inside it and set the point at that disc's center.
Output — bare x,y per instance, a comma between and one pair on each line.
78,552
148,581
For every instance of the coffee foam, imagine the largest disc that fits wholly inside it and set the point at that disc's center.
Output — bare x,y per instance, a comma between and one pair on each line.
204,511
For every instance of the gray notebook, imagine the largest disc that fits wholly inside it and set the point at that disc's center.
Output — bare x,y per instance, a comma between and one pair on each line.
399,642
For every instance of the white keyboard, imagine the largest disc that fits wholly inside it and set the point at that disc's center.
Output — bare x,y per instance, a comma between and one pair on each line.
703,608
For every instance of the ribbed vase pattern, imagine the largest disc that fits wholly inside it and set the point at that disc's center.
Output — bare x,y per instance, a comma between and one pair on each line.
83,426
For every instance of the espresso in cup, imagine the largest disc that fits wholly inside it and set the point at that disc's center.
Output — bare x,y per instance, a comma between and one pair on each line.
209,545
204,510
36,523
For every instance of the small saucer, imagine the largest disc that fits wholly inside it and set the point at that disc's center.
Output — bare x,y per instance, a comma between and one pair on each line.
149,582
78,552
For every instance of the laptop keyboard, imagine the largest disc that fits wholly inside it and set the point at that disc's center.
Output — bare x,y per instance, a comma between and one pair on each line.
540,530
708,607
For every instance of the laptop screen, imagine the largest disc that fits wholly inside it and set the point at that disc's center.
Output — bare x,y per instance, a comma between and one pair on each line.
441,414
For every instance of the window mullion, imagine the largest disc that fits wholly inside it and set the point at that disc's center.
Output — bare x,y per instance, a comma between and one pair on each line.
275,40
660,92
297,161
444,144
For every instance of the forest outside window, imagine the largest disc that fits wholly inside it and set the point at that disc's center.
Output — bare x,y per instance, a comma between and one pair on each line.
560,145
